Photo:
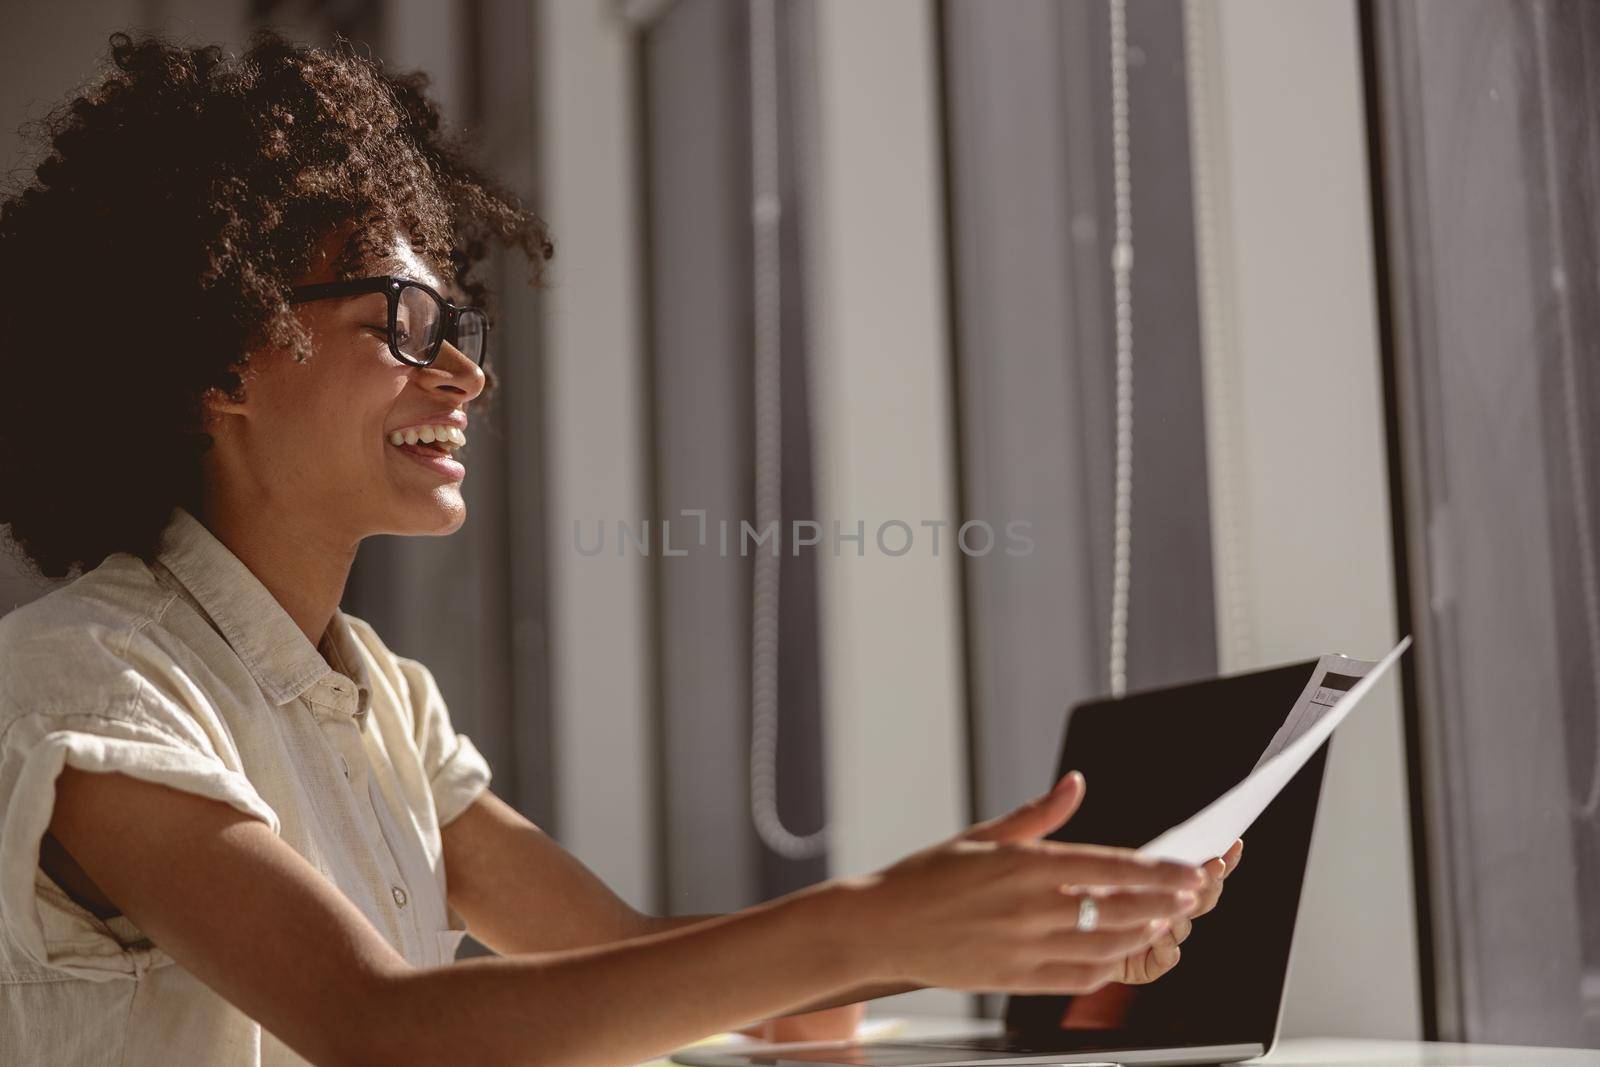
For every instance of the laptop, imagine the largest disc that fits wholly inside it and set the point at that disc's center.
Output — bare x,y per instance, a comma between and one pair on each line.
1152,759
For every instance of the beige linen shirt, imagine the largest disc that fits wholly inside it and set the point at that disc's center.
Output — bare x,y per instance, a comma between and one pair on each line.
187,672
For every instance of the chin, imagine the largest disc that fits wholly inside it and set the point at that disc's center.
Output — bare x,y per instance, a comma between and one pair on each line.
443,512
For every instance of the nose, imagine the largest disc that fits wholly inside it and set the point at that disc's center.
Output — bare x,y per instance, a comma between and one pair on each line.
452,372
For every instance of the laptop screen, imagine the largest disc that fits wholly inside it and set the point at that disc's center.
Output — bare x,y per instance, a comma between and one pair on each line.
1153,759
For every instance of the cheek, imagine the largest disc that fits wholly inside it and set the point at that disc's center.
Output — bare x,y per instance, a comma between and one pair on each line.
328,432
320,423
351,411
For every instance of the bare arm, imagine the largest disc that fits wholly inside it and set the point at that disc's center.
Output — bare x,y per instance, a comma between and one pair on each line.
855,994
990,909
496,862
221,894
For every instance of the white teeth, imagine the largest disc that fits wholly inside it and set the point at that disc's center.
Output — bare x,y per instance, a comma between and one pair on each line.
448,438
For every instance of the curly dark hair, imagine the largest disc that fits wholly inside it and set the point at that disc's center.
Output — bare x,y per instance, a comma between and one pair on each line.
154,247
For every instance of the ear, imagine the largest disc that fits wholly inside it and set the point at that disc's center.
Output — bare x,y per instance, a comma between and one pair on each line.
214,404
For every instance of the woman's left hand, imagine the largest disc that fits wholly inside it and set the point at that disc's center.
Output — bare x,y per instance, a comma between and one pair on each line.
1151,963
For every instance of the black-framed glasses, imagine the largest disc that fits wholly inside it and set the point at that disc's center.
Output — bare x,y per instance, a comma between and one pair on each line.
420,320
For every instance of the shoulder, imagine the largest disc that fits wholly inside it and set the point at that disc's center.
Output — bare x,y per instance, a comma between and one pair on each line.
86,646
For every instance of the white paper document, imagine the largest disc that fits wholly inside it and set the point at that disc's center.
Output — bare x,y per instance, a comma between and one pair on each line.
1336,687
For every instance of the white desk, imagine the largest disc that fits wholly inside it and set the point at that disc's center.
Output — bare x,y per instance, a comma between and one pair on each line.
1334,1052
1337,1052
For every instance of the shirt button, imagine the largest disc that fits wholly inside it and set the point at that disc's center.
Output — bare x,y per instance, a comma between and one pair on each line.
399,895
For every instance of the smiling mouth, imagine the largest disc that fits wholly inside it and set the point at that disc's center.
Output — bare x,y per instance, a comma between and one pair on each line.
435,459
436,440
434,450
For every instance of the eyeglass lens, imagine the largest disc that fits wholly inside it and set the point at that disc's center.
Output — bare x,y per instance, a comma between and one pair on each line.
472,334
418,319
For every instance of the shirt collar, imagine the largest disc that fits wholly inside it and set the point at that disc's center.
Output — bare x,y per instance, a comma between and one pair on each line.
269,643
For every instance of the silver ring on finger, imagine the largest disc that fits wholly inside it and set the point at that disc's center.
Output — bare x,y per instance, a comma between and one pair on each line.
1088,914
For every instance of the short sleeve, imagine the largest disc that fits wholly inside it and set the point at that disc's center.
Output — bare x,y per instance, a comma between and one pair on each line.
151,741
456,772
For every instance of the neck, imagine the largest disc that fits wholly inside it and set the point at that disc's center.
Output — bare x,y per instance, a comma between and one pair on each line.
303,567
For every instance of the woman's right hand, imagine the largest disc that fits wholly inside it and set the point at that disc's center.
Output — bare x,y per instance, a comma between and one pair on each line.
995,909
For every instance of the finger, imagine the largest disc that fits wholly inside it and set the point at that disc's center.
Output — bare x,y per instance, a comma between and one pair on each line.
1161,957
1038,818
1115,867
1132,908
1231,858
1208,897
1100,946
1181,929
1216,871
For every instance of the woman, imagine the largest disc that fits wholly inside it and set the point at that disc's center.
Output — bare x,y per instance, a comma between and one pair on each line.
236,828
